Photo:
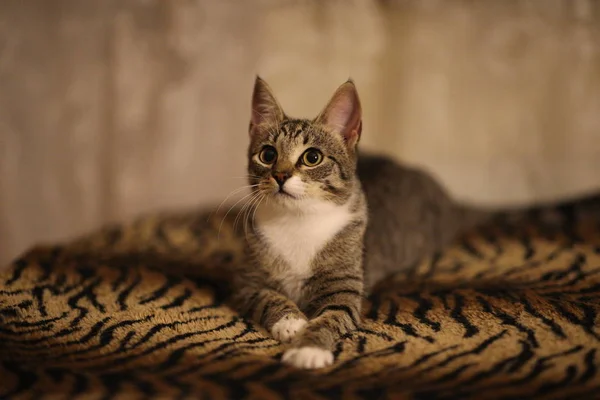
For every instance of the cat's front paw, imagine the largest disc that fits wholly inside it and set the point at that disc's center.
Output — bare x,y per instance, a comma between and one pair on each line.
287,327
308,357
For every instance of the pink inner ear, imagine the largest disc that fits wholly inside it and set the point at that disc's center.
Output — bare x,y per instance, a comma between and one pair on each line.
340,114
343,114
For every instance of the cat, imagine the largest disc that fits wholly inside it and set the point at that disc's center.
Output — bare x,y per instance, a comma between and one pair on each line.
328,224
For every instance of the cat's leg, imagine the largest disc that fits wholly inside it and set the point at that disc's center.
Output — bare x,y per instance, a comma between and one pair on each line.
272,310
334,304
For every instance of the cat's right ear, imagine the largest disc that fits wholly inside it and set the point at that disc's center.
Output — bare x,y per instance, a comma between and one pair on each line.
343,114
266,111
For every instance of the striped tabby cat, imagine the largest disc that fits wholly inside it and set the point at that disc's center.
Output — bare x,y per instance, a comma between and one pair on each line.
307,272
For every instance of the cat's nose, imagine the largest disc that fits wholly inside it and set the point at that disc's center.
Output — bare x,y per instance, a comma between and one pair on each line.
281,177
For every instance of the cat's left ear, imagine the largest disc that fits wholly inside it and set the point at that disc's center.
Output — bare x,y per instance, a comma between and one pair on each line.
343,114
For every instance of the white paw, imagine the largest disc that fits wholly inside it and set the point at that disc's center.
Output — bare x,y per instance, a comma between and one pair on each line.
308,357
286,328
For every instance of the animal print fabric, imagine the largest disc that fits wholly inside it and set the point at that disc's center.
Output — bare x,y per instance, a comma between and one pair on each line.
508,312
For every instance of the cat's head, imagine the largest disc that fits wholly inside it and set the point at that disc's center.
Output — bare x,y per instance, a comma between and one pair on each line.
297,162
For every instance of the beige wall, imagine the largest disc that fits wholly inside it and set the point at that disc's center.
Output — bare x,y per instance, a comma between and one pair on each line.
112,108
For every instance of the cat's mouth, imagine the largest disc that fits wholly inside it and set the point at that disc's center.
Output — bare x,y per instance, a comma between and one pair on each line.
283,193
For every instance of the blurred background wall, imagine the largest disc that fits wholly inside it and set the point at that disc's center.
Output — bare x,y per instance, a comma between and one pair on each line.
111,108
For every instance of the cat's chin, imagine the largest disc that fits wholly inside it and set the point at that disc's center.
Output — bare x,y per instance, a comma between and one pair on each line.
285,200
286,195
289,202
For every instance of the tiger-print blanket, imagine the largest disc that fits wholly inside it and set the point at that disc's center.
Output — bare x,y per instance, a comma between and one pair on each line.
510,311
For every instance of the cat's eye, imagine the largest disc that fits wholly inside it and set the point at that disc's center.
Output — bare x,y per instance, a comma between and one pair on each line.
312,157
268,155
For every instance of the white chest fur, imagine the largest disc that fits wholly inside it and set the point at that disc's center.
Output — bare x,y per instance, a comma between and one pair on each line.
298,237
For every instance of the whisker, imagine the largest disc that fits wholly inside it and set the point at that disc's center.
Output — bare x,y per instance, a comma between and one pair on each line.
254,205
228,211
246,213
239,218
248,206
244,207
256,208
226,198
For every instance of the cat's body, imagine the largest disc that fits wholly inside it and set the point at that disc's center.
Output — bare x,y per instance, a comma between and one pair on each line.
410,217
295,239
308,260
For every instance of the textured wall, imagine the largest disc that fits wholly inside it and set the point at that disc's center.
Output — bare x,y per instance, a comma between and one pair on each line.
112,108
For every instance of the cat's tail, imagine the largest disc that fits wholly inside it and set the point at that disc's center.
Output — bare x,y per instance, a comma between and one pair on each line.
470,217
556,214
